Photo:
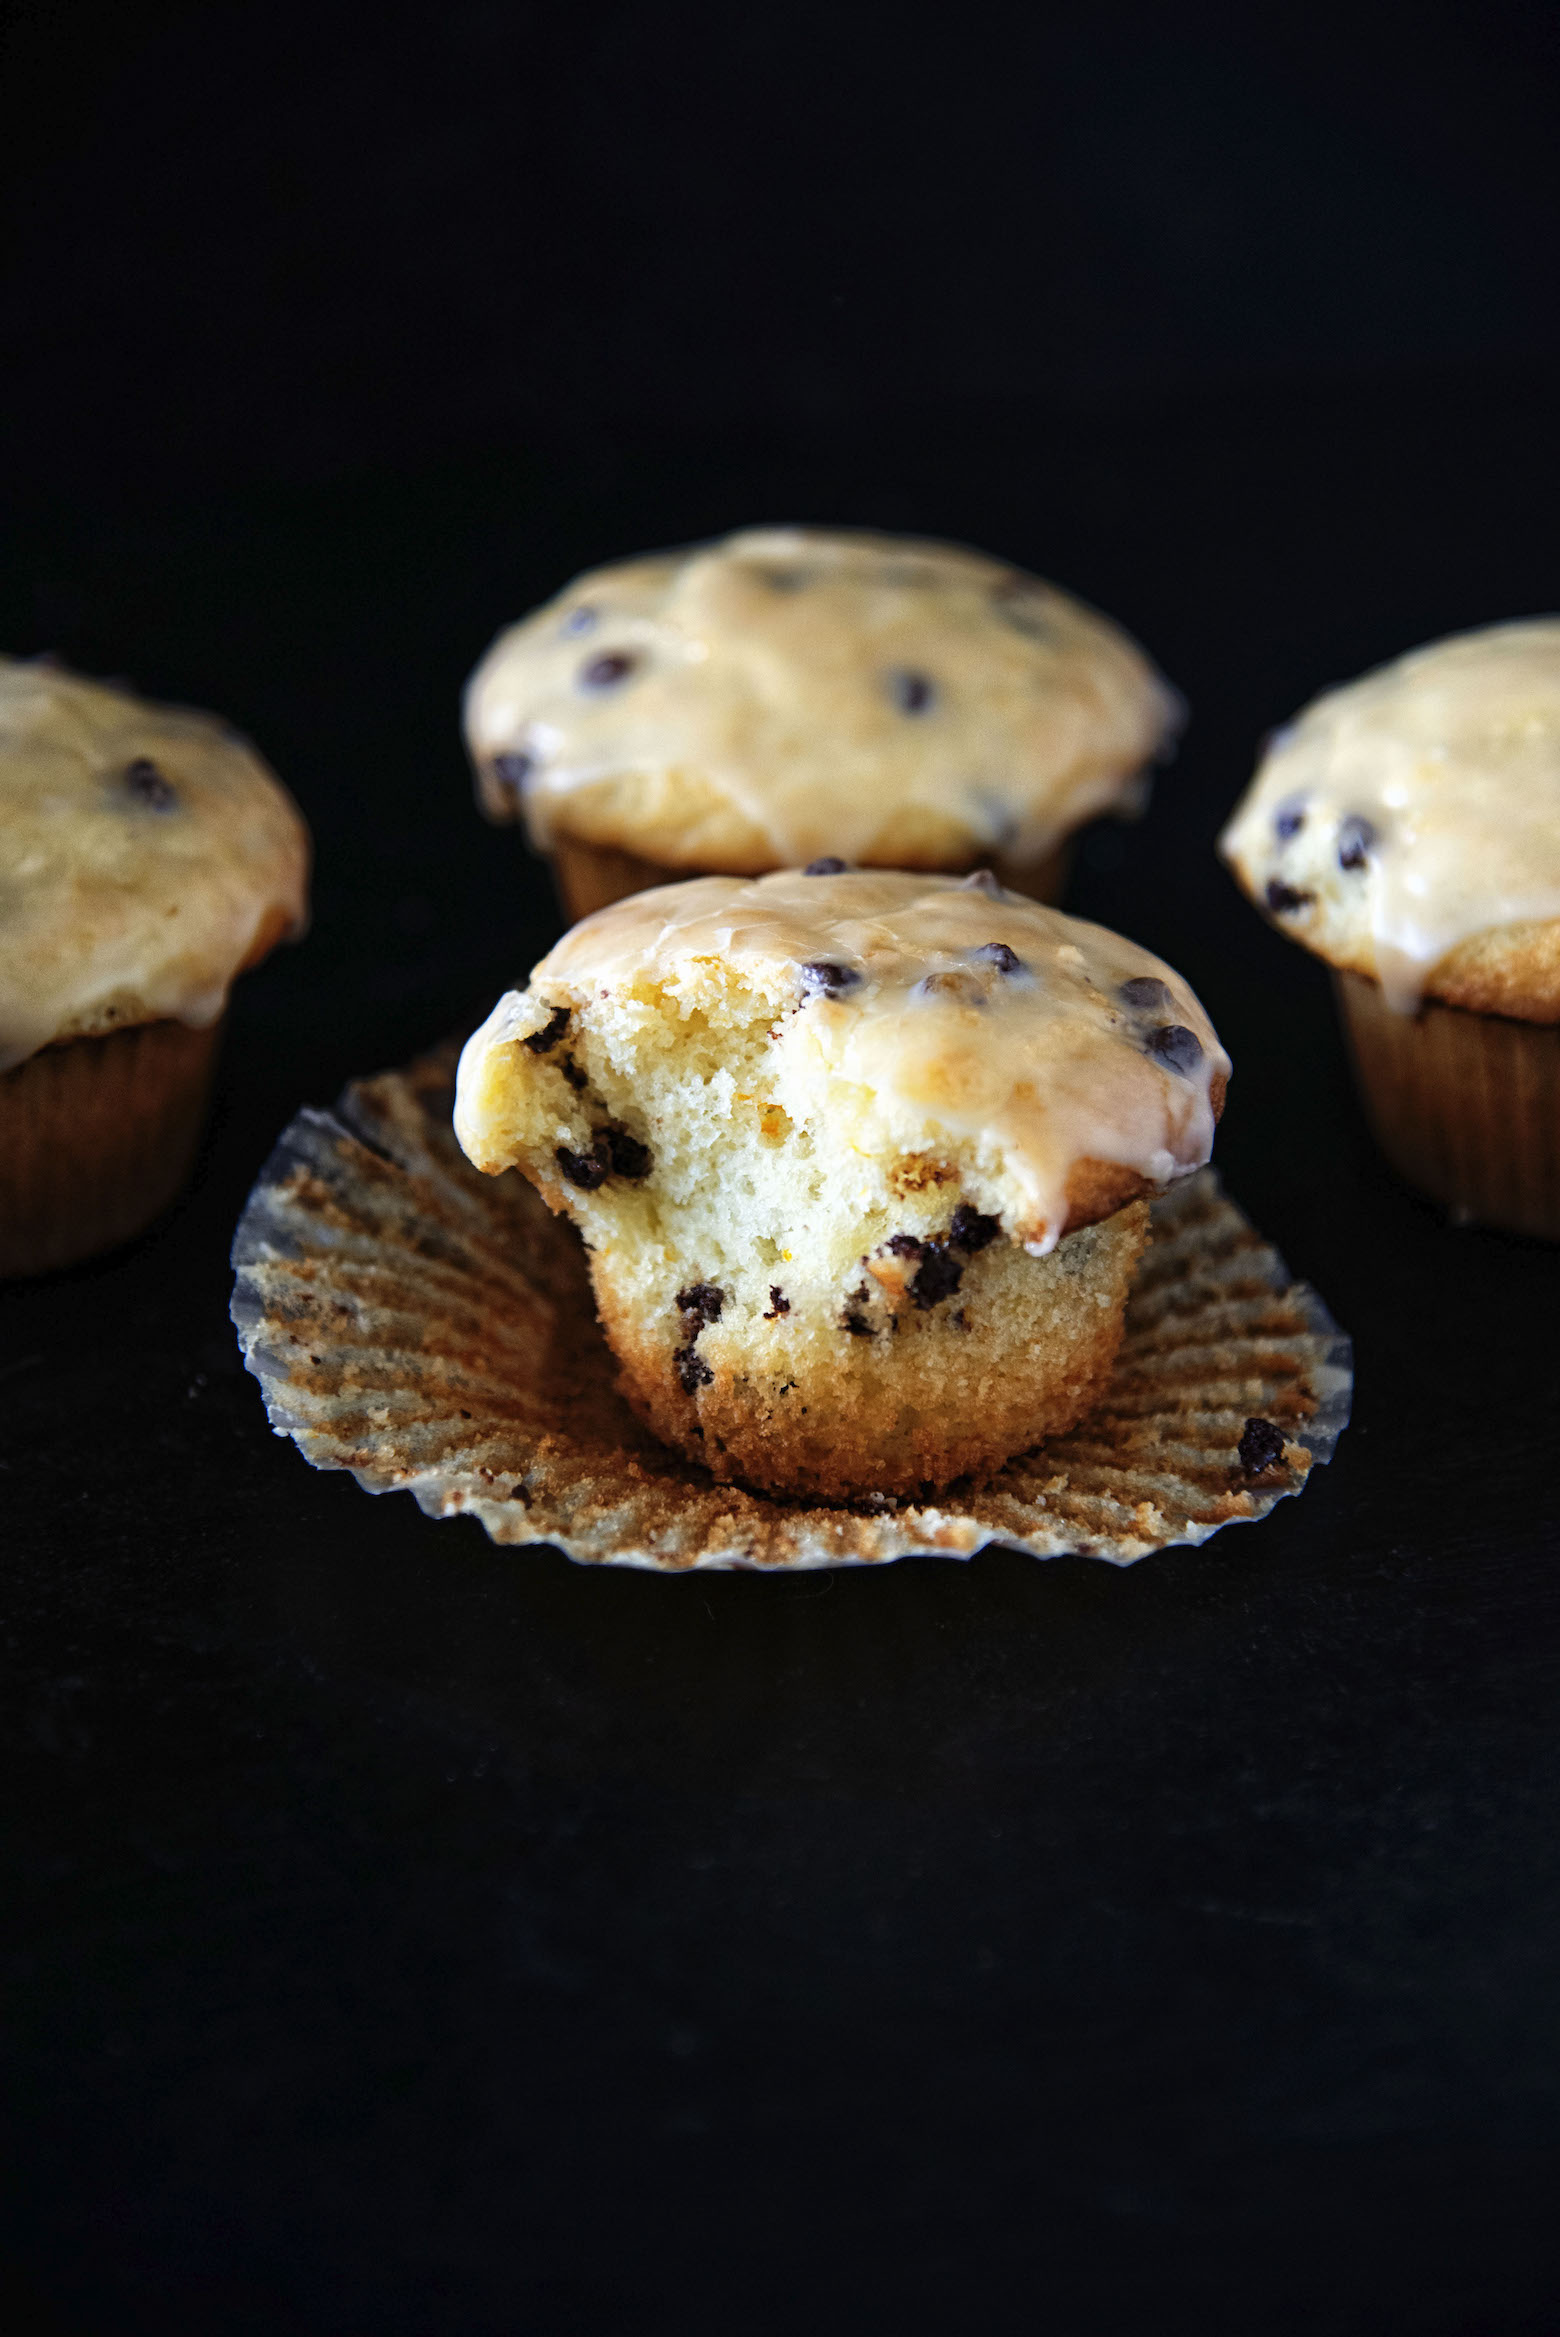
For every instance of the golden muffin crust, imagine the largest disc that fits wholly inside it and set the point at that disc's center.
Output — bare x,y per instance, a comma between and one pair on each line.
147,854
788,692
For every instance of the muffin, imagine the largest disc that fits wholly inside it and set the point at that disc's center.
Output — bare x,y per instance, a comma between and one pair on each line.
148,856
1406,829
791,694
859,1159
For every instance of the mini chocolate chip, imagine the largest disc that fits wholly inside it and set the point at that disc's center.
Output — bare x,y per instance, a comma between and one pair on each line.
1283,898
582,620
628,1156
691,1368
858,1326
1289,819
703,1300
1174,1044
822,978
512,771
905,1245
827,866
779,1304
586,1169
911,692
147,784
1356,835
997,953
981,880
576,1078
543,1041
1261,1444
606,671
970,1231
1144,994
520,1493
939,1277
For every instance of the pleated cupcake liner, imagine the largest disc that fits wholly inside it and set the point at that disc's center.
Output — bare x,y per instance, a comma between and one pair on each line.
431,1330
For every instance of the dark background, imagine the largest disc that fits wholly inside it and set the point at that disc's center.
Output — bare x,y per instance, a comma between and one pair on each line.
401,1936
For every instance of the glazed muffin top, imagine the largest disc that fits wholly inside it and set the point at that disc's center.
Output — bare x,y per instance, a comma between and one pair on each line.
1407,827
146,855
933,1025
791,691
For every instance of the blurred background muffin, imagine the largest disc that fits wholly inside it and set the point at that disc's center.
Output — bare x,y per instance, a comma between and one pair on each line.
790,694
147,855
1407,830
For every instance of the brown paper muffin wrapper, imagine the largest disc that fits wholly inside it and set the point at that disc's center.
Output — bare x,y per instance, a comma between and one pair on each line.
1465,1106
431,1329
590,876
96,1137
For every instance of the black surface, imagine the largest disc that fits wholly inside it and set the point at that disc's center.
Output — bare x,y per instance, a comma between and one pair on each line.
401,1936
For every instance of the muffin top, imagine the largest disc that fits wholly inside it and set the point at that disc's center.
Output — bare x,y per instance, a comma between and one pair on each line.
1407,826
146,854
791,691
924,1020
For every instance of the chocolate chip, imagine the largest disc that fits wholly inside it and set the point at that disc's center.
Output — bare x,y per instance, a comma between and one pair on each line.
827,866
606,671
981,880
970,1231
1356,835
779,1304
939,1276
997,953
1174,1044
1289,819
582,620
1261,1444
911,692
1282,898
512,771
576,1078
586,1169
821,978
905,1245
146,783
628,1156
702,1300
1144,994
543,1041
691,1368
858,1326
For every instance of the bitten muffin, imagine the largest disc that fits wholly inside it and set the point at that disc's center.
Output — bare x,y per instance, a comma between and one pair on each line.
859,1160
1406,829
146,856
789,694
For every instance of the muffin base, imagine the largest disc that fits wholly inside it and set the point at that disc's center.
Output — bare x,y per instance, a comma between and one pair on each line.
96,1137
592,876
1465,1106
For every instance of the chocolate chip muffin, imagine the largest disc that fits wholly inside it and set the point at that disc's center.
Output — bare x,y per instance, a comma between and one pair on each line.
791,693
1406,829
146,856
860,1160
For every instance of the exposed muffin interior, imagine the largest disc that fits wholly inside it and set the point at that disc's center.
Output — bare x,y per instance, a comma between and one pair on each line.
838,1244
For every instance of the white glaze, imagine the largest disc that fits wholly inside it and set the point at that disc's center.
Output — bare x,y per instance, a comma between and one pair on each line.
1022,1074
112,911
763,696
1452,754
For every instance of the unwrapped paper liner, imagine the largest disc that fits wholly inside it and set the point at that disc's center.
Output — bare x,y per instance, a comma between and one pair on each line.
431,1329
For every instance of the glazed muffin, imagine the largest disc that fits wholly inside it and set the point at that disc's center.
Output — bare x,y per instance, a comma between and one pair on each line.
1407,830
791,694
147,855
860,1160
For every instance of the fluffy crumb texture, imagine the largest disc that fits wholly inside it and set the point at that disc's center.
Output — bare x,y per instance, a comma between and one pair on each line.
1407,827
787,692
858,1161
